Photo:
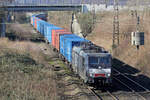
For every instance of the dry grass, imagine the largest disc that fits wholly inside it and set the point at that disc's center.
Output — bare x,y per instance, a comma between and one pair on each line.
24,72
17,31
22,47
59,18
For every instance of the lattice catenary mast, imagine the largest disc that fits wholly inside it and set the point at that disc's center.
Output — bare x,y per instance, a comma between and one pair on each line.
116,24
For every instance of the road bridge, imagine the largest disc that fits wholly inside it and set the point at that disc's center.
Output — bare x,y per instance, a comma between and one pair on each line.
42,5
42,8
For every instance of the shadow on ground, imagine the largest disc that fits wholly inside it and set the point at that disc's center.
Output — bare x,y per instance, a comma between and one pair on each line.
14,37
131,73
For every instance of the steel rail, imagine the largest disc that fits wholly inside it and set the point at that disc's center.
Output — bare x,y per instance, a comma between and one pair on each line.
98,96
93,92
130,87
114,97
132,80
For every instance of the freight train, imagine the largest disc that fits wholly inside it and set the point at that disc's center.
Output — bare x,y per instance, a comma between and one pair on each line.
91,62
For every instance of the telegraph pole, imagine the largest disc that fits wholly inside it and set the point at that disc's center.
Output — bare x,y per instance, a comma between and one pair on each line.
116,24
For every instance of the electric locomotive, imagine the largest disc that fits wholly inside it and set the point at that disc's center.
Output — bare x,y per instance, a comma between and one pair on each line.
93,64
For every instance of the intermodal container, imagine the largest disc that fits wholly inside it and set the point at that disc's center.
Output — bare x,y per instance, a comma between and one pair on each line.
42,27
35,23
62,38
45,27
42,16
49,32
54,32
69,43
57,38
38,25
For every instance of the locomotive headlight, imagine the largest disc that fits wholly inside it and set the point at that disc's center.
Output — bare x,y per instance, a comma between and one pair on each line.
108,74
99,67
91,75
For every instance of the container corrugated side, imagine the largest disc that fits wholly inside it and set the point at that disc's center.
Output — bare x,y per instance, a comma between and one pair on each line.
42,27
57,39
54,32
61,40
38,25
35,23
49,32
69,44
45,27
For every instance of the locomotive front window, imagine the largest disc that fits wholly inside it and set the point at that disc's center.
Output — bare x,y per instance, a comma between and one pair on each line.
93,60
104,60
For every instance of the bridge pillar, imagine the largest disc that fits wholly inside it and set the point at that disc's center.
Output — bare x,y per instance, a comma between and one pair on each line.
84,8
3,27
8,16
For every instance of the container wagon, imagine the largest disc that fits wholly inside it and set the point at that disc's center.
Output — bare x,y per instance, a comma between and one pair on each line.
92,63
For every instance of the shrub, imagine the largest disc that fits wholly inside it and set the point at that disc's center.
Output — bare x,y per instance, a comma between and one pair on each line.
86,22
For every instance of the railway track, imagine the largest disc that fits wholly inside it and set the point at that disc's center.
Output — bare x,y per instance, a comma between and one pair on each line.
134,87
94,93
98,95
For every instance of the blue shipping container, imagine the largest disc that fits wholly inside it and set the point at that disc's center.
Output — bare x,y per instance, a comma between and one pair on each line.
42,27
62,37
69,43
33,21
49,32
45,28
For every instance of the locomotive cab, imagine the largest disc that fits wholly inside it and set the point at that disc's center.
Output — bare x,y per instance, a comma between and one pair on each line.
99,68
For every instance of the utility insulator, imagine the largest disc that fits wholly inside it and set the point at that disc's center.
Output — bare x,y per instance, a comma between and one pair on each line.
138,24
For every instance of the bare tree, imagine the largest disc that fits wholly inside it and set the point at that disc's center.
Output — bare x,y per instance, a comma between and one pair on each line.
86,23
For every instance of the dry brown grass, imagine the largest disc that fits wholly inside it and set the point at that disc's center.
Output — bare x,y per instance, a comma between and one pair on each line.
24,72
23,47
18,31
59,18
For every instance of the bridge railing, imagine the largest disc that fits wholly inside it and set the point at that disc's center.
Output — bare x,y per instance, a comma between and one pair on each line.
50,2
